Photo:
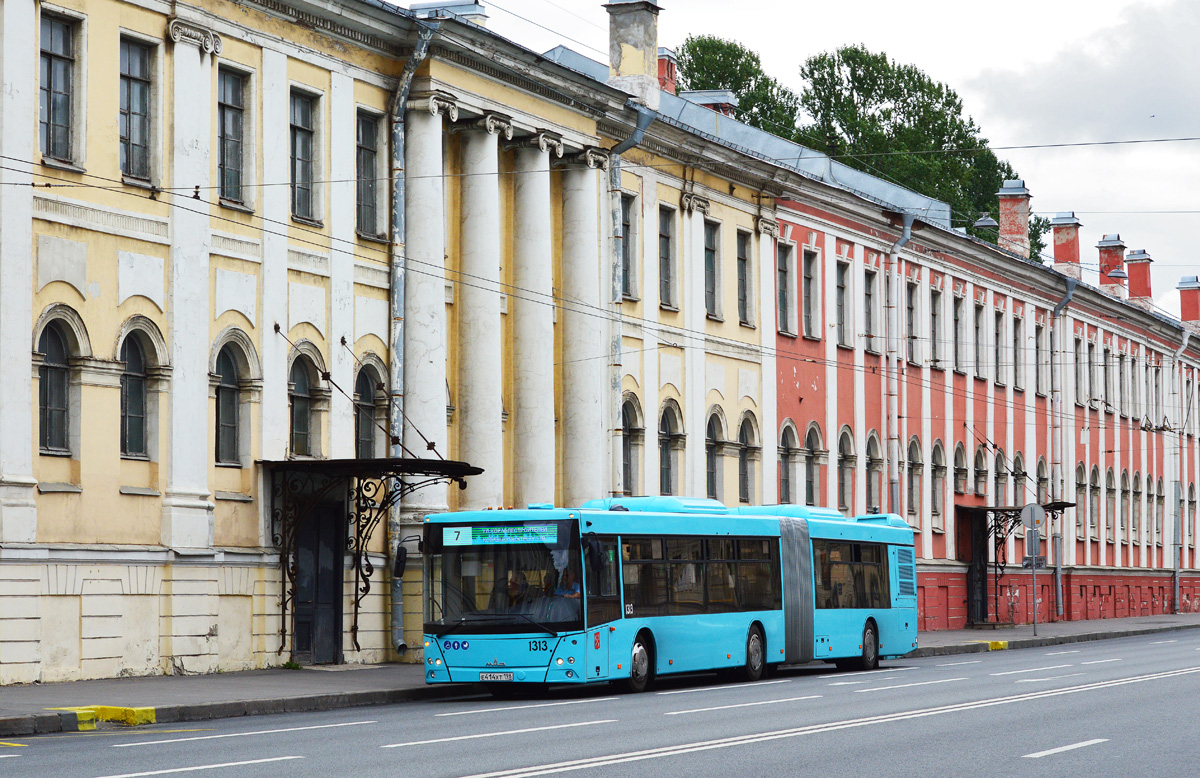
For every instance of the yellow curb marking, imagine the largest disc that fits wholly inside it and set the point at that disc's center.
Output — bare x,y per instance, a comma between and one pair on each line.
997,645
132,717
14,745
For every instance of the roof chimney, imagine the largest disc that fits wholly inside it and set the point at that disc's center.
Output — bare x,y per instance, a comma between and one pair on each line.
1014,217
1137,263
668,67
1112,265
633,49
446,9
1066,244
1189,302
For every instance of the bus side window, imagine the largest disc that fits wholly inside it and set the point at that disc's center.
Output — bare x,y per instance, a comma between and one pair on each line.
603,597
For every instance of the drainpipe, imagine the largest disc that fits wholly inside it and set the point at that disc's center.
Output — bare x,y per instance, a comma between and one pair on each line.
396,303
1056,439
645,117
1178,389
893,393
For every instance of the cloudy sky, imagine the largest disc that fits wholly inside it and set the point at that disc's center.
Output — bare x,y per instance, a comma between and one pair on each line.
1029,72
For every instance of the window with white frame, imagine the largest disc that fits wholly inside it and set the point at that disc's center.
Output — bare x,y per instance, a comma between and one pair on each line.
1092,394
631,445
1080,373
812,467
367,174
712,269
1159,510
135,125
869,317
785,287
915,467
1123,516
980,362
1106,380
937,490
303,133
1039,358
231,134
1081,492
629,247
1018,353
1123,390
960,469
787,462
874,474
810,292
1000,485
998,347
912,326
845,465
935,327
1094,504
1135,518
666,258
842,304
57,88
745,283
957,334
1110,506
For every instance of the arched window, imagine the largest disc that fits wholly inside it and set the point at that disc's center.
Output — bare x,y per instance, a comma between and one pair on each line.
1124,514
1135,519
133,398
1043,482
914,482
300,396
874,474
1191,532
631,438
227,408
845,466
364,414
669,443
1080,500
745,464
1110,506
54,391
812,470
1000,485
1094,504
1020,480
937,491
787,455
1158,513
960,469
981,473
712,465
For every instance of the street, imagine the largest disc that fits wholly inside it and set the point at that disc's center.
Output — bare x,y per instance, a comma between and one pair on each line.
1107,708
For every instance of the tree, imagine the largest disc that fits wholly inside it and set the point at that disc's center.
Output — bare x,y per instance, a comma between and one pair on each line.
709,62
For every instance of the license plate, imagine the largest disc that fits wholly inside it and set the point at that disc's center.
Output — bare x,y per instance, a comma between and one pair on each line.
495,676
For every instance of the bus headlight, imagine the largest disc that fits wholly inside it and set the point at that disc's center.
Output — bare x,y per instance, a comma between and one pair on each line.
437,661
559,660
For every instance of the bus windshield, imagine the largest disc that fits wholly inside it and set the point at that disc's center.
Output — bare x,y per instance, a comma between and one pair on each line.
503,577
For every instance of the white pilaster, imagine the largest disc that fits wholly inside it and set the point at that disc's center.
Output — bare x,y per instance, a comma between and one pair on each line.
18,109
276,210
692,472
186,510
768,231
587,383
828,335
480,403
926,352
342,222
533,328
650,383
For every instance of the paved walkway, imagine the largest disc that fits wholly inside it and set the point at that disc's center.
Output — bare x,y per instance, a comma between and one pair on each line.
25,709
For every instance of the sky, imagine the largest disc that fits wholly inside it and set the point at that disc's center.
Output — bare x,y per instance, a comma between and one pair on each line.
1029,72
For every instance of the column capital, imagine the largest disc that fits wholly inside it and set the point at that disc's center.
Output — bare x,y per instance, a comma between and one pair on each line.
694,202
435,103
494,124
183,31
543,140
766,226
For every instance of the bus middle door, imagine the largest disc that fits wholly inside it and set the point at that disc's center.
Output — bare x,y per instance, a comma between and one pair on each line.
603,601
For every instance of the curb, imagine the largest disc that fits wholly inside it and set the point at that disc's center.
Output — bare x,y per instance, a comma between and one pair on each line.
1039,642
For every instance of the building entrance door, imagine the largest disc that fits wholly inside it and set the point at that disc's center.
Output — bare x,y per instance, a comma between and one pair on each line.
320,549
971,544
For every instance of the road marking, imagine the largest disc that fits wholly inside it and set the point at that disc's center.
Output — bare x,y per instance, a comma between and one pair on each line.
1047,678
1071,747
708,745
1160,642
907,685
1032,670
238,734
727,686
846,683
14,745
1100,661
1056,653
956,664
525,707
741,705
9,756
498,734
203,767
867,672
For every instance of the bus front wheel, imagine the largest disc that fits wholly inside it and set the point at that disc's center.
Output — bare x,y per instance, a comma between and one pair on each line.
755,655
641,664
870,648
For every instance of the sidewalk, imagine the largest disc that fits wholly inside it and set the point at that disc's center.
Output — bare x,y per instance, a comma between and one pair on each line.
26,709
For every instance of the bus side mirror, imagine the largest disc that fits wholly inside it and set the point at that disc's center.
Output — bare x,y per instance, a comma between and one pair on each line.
401,562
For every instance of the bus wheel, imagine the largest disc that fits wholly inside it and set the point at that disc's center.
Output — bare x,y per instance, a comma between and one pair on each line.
870,648
755,652
641,664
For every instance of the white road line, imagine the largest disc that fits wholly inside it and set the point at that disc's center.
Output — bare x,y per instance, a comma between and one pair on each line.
203,767
741,740
525,707
1047,678
498,734
868,672
1032,670
1160,642
956,664
1071,747
906,685
9,756
846,683
727,686
1056,653
1100,661
741,705
238,734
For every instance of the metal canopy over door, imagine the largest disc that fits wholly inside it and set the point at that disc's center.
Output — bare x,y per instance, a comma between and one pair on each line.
320,550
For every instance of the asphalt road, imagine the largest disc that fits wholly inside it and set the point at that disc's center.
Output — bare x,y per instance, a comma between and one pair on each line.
1124,707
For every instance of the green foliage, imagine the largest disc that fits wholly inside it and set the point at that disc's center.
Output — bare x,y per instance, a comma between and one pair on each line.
709,62
1038,227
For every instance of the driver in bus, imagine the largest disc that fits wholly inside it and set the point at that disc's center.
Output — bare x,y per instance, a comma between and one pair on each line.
518,587
567,585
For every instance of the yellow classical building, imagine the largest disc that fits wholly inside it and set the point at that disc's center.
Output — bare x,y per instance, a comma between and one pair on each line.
244,245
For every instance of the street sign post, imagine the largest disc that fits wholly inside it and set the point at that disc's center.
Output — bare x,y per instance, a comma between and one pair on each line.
1033,516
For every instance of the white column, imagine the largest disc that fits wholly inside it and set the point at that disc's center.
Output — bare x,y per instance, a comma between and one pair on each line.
651,384
275,205
342,222
186,510
588,393
533,325
18,107
692,481
479,402
928,435
425,297
826,303
768,231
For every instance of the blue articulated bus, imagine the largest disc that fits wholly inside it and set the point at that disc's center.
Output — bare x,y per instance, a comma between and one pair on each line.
627,589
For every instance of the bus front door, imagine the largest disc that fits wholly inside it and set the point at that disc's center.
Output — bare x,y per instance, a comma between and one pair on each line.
597,652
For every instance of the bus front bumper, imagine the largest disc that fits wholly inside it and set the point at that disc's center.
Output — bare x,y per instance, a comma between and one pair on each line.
502,660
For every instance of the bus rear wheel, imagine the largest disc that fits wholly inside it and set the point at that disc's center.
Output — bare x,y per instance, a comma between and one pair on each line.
755,655
641,664
870,648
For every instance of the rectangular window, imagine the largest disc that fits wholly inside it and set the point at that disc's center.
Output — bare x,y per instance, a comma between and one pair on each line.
1038,352
1134,386
1018,354
958,334
1091,371
231,102
367,173
1080,373
56,88
303,133
743,277
998,347
810,294
869,307
980,368
843,325
1106,380
628,250
850,575
1158,394
135,109
910,308
1122,386
711,269
783,283
666,257
935,327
